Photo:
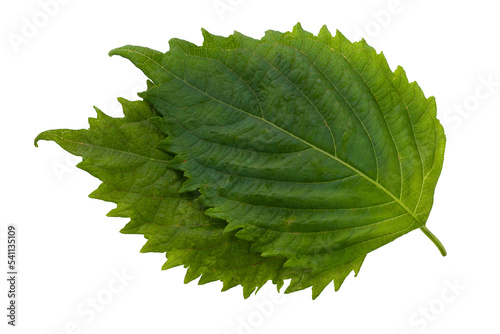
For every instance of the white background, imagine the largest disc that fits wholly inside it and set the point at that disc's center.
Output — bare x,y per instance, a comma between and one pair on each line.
70,252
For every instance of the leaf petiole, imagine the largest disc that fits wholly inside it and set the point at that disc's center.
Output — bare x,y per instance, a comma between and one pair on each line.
434,239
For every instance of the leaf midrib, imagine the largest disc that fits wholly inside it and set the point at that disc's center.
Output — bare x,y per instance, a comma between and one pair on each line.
109,149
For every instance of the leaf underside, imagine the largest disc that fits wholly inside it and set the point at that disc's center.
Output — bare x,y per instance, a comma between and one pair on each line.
289,157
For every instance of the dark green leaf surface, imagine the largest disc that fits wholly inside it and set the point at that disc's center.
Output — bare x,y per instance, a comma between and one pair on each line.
310,147
122,153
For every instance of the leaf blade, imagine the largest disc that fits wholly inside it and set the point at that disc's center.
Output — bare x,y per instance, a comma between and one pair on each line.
222,92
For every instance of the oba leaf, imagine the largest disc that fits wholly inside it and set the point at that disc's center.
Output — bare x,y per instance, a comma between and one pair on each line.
122,153
310,147
290,157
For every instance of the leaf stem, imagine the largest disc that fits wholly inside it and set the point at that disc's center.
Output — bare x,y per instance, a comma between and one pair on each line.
434,239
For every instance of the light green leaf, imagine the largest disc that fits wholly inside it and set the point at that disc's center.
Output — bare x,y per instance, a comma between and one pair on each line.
310,147
122,153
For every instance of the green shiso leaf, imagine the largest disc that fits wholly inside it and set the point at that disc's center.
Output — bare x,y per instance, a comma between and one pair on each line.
290,157
309,146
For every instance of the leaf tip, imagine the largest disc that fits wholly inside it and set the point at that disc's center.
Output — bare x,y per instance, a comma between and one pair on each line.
207,36
297,27
247,291
38,138
45,135
119,51
205,32
324,32
99,112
